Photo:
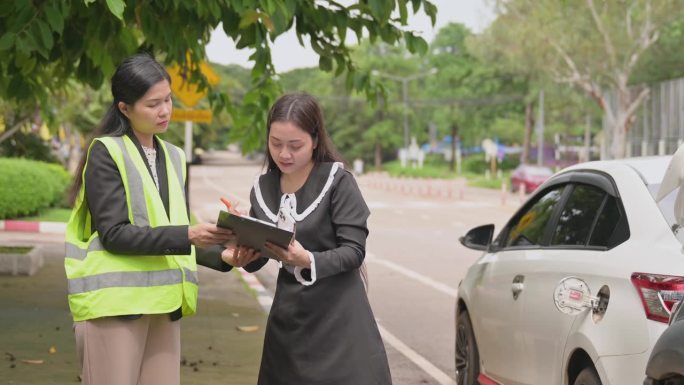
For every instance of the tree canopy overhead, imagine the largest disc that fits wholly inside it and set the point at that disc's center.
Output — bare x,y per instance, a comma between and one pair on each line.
45,43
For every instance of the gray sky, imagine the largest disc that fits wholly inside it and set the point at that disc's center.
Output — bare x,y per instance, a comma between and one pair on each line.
288,54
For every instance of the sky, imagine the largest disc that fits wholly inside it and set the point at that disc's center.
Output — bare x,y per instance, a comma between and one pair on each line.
287,54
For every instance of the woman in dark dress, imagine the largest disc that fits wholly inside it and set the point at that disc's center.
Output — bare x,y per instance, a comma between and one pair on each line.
321,329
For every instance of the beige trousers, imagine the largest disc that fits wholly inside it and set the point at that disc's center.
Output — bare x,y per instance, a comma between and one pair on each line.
115,351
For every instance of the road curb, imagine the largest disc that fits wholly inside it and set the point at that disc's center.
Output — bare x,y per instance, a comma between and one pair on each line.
33,227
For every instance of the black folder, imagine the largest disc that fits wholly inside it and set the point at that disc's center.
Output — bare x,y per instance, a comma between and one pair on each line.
254,233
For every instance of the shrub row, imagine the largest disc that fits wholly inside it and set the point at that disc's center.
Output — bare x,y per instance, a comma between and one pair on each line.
476,163
27,186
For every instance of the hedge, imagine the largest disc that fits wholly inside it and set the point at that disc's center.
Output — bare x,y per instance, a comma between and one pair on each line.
476,163
27,186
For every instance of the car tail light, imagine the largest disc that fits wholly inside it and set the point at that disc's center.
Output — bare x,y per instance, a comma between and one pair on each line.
658,293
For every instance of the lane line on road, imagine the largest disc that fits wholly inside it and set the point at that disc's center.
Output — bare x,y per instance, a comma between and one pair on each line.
420,361
448,290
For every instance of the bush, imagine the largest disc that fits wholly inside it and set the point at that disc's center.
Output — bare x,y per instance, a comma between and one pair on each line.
476,163
428,171
27,186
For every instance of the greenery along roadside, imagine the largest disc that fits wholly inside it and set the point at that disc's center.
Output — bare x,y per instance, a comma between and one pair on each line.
27,186
473,169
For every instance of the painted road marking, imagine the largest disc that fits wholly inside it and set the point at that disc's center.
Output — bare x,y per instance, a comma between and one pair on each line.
420,361
446,289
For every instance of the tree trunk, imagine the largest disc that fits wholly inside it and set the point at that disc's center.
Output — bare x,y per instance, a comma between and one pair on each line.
11,131
378,155
529,127
622,117
380,116
454,134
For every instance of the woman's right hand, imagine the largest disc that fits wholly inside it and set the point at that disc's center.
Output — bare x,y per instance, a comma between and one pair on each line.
239,256
207,234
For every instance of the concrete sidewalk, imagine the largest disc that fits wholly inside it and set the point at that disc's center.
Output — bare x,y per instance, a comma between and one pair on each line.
37,342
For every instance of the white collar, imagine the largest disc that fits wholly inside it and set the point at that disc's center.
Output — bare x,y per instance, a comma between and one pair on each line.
298,217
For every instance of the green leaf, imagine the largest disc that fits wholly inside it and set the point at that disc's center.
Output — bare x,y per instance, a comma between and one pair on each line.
7,40
230,22
54,18
45,34
325,63
29,42
116,7
430,10
421,46
247,37
270,6
403,12
249,18
381,10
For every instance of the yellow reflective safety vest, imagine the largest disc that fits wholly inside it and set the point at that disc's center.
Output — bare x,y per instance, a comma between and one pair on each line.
103,284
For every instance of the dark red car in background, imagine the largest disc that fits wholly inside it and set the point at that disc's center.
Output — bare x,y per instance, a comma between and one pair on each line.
529,177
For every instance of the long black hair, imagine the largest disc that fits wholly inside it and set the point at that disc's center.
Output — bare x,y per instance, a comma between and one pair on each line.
130,82
302,110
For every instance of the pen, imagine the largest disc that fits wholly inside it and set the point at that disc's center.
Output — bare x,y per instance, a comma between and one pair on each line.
226,202
231,208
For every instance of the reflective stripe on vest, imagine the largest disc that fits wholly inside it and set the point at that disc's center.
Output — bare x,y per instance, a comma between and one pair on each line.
130,279
135,184
178,166
73,251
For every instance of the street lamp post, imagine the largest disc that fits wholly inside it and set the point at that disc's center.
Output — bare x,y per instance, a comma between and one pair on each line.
404,91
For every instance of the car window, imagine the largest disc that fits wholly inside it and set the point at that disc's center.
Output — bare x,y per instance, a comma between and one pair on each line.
576,219
607,232
528,230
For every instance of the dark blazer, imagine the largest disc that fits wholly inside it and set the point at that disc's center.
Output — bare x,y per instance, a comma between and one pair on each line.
106,199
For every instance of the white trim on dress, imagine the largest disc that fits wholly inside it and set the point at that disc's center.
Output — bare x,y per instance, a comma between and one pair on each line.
298,217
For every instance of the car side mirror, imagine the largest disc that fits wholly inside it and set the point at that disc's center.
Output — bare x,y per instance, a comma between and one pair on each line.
478,238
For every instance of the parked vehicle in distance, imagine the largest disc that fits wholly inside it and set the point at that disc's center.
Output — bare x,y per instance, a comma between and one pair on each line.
666,364
578,285
529,177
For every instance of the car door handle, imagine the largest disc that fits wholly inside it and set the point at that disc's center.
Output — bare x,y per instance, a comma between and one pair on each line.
517,286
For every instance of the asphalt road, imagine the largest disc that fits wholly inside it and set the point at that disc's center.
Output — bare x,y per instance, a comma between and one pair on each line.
413,256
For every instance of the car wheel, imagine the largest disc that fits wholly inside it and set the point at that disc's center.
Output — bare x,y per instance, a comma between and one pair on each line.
588,376
467,356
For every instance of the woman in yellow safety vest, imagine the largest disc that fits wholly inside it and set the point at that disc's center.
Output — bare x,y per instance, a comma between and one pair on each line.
130,251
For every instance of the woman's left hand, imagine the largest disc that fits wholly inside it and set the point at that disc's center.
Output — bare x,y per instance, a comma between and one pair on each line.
239,256
294,255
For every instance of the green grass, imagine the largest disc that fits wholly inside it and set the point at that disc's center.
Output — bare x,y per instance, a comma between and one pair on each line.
14,250
50,215
427,171
436,170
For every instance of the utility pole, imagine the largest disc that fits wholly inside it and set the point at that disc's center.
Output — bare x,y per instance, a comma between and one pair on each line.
404,95
540,130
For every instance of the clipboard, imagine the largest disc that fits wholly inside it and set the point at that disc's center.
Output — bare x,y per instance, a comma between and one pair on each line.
254,233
